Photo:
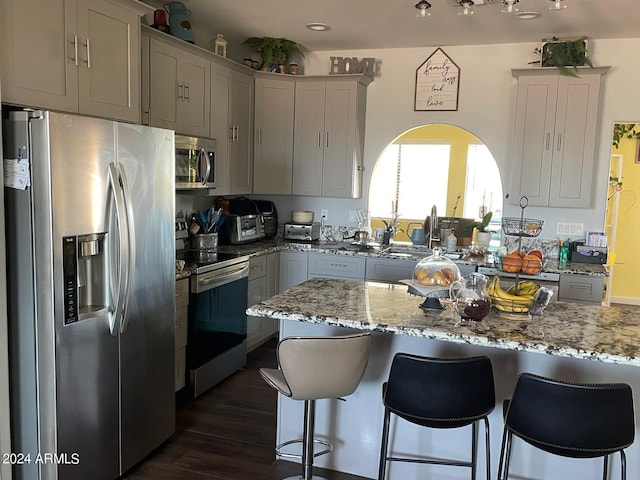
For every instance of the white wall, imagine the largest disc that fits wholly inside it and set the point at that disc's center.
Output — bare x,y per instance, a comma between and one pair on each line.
485,107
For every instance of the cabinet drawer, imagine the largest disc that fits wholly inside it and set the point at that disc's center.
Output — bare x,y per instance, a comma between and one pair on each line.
581,288
257,267
182,292
389,270
336,266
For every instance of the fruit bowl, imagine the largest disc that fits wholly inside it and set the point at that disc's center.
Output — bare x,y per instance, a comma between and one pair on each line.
521,300
515,262
521,227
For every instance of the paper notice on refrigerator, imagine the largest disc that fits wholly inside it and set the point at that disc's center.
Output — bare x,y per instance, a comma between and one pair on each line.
16,173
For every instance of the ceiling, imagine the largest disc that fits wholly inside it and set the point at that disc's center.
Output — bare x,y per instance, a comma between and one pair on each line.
376,24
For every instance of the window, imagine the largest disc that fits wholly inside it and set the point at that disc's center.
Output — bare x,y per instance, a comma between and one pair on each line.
483,190
411,176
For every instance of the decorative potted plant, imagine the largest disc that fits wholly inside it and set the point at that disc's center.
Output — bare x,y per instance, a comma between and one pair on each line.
274,51
624,130
565,53
484,236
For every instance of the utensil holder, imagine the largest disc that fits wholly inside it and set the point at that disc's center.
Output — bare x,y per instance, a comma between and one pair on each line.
205,241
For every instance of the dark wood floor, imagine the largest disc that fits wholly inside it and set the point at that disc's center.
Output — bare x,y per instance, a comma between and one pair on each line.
226,434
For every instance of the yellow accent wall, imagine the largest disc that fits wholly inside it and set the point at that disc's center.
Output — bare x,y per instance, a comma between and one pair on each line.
627,264
459,140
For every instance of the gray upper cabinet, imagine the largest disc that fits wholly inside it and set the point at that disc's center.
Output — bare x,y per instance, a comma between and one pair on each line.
179,89
554,136
231,120
273,135
86,60
329,135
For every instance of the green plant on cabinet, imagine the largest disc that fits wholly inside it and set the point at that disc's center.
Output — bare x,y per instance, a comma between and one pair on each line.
274,51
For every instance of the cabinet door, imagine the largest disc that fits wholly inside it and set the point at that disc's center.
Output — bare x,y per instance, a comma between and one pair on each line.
273,139
308,147
38,64
179,90
389,270
193,107
575,137
109,70
257,291
163,88
241,161
273,274
343,142
336,266
221,125
293,269
533,138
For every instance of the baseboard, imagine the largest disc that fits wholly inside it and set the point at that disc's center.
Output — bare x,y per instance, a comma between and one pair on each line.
626,300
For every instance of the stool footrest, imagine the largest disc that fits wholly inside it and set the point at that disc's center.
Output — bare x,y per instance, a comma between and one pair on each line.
279,452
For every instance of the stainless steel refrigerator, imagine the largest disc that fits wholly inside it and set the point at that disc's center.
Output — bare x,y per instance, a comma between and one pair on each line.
91,293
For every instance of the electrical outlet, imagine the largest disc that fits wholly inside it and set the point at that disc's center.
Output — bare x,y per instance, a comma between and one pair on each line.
324,213
353,217
570,229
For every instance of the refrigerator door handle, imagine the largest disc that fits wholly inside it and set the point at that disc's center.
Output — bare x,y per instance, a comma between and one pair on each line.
123,251
130,245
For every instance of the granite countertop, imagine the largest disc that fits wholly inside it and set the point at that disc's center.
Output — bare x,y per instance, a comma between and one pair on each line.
410,252
603,334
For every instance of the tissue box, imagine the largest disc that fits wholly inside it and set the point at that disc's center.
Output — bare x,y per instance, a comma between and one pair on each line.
582,253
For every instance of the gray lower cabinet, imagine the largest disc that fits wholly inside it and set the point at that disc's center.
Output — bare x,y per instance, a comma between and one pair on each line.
389,270
181,315
293,268
263,281
327,265
580,288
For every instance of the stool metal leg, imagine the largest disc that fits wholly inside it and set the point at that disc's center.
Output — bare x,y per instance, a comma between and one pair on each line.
623,465
384,445
605,470
474,449
487,446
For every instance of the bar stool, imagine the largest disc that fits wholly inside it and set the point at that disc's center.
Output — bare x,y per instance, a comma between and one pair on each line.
569,419
439,393
311,368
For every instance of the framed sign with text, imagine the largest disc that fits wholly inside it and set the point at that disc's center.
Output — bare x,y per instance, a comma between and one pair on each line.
437,83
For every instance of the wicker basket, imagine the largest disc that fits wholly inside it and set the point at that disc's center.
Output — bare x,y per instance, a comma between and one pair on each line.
529,267
522,227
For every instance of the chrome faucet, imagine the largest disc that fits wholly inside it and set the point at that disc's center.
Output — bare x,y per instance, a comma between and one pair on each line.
433,226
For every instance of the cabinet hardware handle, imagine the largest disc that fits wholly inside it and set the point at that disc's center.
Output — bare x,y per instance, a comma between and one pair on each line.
319,140
559,146
548,141
88,54
75,49
237,132
259,136
179,90
186,91
326,136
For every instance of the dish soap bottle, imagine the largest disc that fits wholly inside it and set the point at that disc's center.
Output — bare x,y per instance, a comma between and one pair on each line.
452,243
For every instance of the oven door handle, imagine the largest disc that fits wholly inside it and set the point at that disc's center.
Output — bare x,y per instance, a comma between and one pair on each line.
217,281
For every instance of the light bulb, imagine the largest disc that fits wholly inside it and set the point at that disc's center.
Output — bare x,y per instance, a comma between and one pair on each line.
423,9
509,6
467,7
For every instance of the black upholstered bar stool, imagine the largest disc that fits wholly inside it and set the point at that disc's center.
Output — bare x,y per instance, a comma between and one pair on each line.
439,393
312,368
569,419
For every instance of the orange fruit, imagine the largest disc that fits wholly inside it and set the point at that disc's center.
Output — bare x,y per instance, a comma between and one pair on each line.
531,264
512,263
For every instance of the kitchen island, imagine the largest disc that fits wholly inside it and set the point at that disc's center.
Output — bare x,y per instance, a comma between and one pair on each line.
575,342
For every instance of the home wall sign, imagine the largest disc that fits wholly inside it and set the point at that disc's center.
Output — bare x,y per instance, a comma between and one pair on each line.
346,65
437,83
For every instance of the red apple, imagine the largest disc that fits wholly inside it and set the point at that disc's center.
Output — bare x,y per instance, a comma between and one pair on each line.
537,253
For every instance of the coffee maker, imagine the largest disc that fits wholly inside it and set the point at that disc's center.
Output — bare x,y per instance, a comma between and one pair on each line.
270,215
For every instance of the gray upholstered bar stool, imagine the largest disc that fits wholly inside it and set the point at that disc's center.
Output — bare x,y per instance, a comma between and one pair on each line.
312,368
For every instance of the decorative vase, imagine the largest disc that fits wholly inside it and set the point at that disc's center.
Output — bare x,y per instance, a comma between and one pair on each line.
179,21
484,239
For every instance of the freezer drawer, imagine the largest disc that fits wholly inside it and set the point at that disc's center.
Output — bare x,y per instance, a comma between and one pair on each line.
581,288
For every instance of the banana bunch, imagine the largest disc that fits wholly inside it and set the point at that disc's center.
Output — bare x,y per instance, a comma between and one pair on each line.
509,302
524,287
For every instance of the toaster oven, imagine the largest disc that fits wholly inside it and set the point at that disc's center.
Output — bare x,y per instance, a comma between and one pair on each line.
238,229
305,233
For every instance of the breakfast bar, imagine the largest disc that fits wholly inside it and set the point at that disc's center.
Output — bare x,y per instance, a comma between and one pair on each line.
569,341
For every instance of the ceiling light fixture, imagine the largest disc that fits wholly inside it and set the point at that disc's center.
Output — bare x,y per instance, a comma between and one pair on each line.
557,5
467,7
509,6
318,27
423,9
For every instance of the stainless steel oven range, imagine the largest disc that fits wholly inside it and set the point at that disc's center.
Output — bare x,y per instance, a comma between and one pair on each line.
217,338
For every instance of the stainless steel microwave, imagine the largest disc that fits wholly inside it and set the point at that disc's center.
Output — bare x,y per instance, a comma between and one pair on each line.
195,162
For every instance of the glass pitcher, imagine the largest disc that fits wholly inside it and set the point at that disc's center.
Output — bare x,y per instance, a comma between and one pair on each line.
470,297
